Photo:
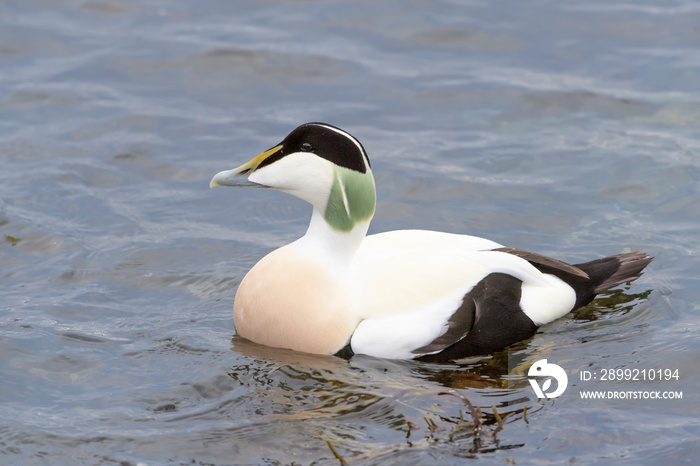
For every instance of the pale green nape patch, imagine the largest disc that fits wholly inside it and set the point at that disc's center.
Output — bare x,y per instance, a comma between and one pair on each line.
352,198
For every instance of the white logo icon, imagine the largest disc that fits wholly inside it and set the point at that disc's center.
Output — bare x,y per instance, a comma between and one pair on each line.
542,368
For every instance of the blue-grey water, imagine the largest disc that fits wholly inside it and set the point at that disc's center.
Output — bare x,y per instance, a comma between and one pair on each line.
566,128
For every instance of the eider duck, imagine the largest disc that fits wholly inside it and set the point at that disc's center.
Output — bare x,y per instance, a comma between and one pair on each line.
406,294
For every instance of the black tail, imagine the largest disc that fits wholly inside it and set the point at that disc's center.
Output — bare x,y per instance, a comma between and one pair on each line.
589,278
608,272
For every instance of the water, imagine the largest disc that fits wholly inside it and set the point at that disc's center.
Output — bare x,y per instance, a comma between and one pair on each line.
568,129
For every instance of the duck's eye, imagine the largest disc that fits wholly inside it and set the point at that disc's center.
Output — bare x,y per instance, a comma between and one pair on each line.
306,147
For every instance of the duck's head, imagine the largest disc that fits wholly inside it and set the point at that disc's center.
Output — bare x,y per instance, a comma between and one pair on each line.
320,164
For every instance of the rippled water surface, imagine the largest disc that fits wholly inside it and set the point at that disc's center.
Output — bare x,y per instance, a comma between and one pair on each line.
566,128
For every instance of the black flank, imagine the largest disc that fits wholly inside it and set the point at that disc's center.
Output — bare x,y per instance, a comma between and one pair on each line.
498,320
345,352
459,324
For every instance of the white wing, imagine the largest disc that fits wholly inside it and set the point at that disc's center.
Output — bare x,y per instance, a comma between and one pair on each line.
409,283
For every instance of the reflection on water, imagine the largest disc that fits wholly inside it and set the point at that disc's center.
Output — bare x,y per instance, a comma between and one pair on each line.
118,266
366,391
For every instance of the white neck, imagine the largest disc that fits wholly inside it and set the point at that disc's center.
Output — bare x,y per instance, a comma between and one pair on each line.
330,245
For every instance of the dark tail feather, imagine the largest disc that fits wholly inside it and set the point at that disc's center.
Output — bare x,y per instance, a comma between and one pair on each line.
589,278
608,272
